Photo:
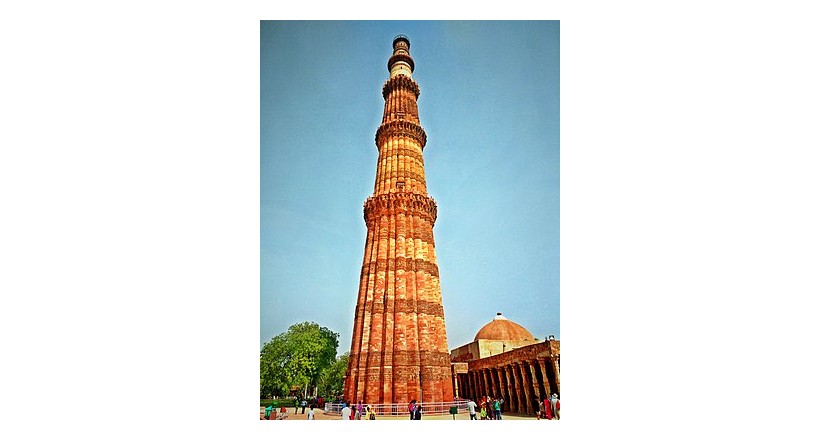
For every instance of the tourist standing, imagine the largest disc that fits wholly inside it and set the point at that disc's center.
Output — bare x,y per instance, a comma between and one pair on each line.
311,415
553,401
412,408
304,404
471,406
547,408
417,413
359,409
497,409
345,412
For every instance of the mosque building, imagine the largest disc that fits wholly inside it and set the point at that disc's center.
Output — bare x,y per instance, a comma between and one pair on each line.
505,360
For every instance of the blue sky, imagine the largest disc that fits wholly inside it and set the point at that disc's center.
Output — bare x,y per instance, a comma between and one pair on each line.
490,106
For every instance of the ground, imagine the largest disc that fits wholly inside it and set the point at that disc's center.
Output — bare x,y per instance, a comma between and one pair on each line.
320,415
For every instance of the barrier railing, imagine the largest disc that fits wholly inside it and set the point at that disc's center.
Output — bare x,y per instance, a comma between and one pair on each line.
400,409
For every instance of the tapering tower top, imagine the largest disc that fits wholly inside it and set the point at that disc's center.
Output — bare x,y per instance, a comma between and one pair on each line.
400,63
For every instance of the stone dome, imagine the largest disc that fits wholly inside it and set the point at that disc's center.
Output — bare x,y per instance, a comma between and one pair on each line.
502,329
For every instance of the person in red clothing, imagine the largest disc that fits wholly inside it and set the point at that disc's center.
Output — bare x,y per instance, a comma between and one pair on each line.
412,408
547,409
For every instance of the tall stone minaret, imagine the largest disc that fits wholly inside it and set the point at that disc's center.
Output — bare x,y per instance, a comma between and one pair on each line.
399,349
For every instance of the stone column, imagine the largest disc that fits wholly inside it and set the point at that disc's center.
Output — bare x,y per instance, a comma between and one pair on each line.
455,383
557,373
492,382
525,383
543,367
516,374
486,376
498,383
502,383
536,385
508,385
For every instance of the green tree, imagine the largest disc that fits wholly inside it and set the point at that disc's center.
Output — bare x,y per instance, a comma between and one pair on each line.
332,381
296,357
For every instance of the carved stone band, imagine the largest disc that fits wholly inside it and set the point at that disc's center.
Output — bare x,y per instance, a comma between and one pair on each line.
400,82
401,128
395,203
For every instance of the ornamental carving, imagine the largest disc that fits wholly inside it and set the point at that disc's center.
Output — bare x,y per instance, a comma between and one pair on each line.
395,203
402,305
401,128
400,82
401,263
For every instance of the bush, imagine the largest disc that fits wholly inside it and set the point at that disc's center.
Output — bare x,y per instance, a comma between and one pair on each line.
287,403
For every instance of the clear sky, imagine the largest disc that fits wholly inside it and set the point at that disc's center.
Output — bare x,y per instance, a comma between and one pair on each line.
490,106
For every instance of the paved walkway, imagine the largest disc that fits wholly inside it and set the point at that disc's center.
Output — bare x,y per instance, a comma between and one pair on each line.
320,415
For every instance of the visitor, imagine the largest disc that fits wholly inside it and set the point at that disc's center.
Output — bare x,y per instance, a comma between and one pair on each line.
296,405
345,412
283,414
371,413
547,408
359,410
412,408
483,413
557,408
311,415
304,404
471,406
553,401
497,409
417,413
540,412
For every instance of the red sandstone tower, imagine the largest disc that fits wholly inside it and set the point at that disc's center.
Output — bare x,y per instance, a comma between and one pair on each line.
399,348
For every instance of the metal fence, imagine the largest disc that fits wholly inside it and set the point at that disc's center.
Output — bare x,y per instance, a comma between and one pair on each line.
400,409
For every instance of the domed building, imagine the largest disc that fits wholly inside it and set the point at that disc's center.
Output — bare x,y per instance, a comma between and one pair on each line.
497,336
506,361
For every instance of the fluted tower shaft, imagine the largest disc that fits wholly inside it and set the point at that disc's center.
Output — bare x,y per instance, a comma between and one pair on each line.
399,348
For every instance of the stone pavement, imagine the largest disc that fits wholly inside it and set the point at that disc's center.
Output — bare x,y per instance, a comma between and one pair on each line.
320,415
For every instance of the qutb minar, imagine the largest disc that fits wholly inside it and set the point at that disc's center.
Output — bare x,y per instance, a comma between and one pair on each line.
399,347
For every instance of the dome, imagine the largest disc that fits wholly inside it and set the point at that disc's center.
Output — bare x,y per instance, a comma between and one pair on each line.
502,329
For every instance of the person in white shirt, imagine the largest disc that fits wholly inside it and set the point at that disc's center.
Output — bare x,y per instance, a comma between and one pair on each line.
471,406
310,413
345,412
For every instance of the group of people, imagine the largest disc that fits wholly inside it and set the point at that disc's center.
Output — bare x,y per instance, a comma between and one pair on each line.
271,413
358,412
549,408
414,409
488,408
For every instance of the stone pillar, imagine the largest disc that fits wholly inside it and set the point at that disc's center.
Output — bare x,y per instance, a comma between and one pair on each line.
455,383
474,382
492,382
502,382
525,384
543,367
510,387
486,377
557,373
536,385
497,373
516,375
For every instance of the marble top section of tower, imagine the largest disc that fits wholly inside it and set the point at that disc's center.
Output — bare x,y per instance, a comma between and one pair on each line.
399,347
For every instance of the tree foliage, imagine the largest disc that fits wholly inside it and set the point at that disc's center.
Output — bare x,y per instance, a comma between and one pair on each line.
332,381
296,357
